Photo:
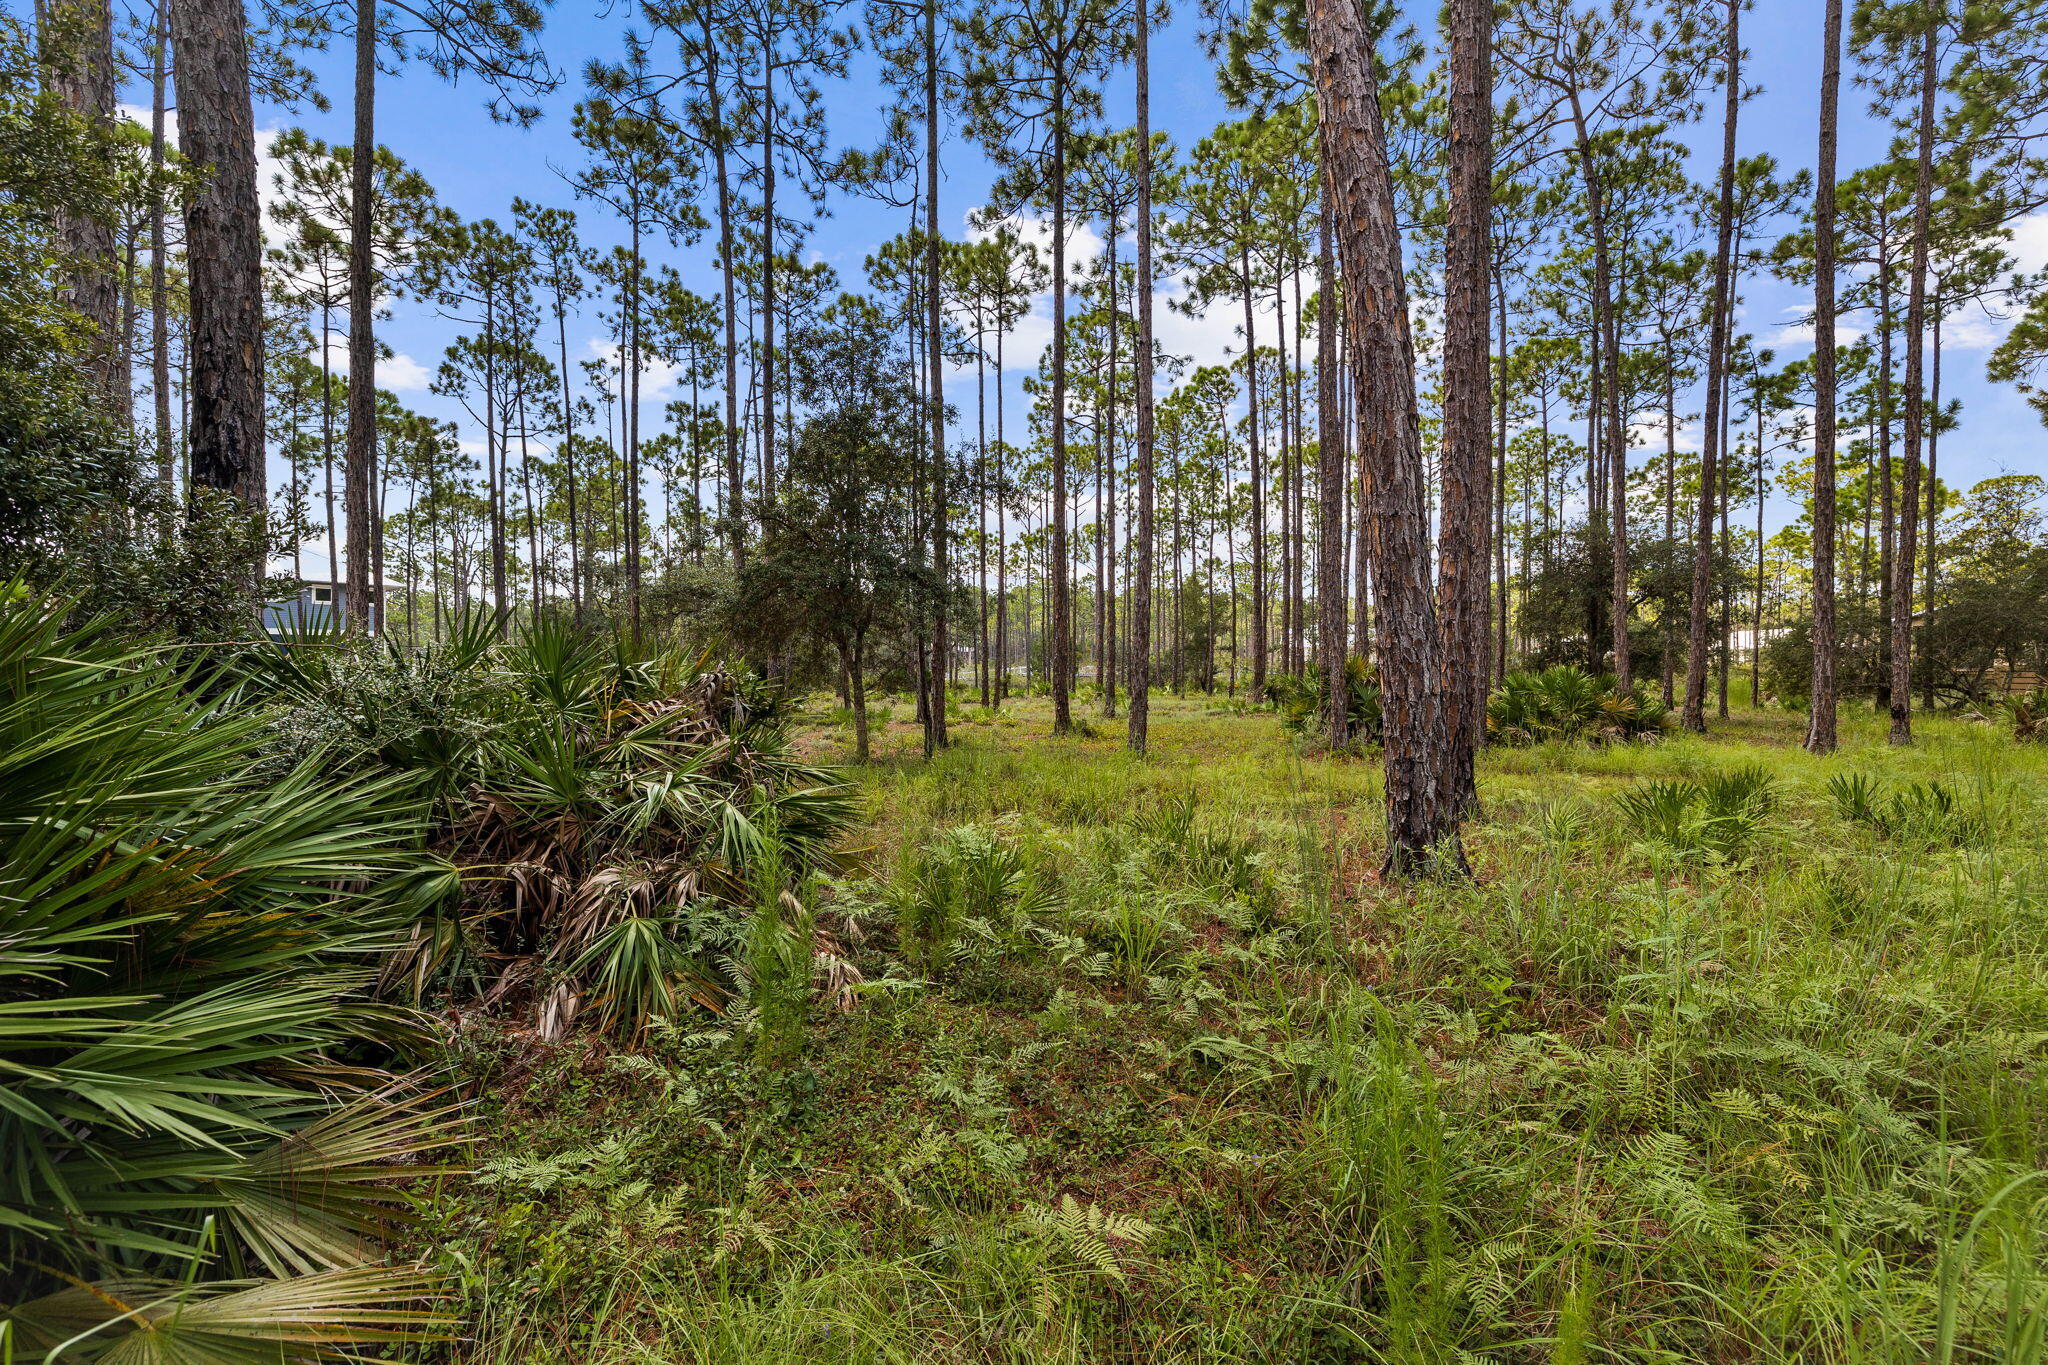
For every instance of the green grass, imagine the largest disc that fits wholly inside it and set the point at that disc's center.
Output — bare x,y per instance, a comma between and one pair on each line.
1174,1078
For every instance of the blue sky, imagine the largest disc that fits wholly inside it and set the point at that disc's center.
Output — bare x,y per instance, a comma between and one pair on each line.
478,167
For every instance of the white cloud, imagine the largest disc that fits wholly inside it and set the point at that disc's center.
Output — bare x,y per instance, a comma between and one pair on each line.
1974,331
2030,241
1208,335
398,372
1084,243
657,376
1031,336
1646,433
1211,335
1799,332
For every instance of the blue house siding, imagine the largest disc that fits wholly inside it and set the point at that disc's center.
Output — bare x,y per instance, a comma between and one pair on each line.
316,607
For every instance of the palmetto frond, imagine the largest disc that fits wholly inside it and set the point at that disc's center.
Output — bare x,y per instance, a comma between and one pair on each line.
184,952
321,1317
609,808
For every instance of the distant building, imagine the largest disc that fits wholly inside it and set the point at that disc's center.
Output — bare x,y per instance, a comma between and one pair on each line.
316,607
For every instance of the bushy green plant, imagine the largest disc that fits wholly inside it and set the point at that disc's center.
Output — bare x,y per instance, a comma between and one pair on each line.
1719,817
1567,703
1922,812
198,1157
1301,702
612,805
967,890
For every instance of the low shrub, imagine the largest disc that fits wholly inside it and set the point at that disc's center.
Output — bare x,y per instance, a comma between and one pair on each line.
1717,818
1566,703
198,1121
1300,700
1924,813
612,807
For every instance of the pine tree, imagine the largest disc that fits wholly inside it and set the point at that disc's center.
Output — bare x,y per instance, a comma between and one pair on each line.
77,40
1033,81
1422,800
1694,715
1821,732
1467,509
490,39
223,248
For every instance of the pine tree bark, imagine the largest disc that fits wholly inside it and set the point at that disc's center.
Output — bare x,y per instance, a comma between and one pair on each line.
767,378
359,459
1422,807
1500,489
78,40
566,452
1607,439
1463,539
981,502
1141,565
1258,486
735,477
1330,603
942,647
494,459
629,422
1062,641
1002,678
1694,714
159,264
223,248
1930,508
1905,558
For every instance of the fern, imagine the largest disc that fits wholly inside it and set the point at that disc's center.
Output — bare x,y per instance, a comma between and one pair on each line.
1091,1234
980,1098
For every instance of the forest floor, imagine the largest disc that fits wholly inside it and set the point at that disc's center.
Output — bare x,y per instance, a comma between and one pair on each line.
1728,1054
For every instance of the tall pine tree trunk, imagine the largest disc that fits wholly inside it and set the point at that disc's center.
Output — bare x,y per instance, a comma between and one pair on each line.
1329,493
1258,487
1002,679
1667,664
942,647
629,424
1463,539
1062,641
567,455
735,477
1931,508
1607,457
1500,491
223,248
1141,565
358,461
767,376
1694,714
159,263
1820,731
981,501
78,53
1422,804
1905,560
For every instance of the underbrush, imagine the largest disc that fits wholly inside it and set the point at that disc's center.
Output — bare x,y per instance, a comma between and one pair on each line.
1713,1062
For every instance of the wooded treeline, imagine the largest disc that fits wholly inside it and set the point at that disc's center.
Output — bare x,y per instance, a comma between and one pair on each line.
1481,302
